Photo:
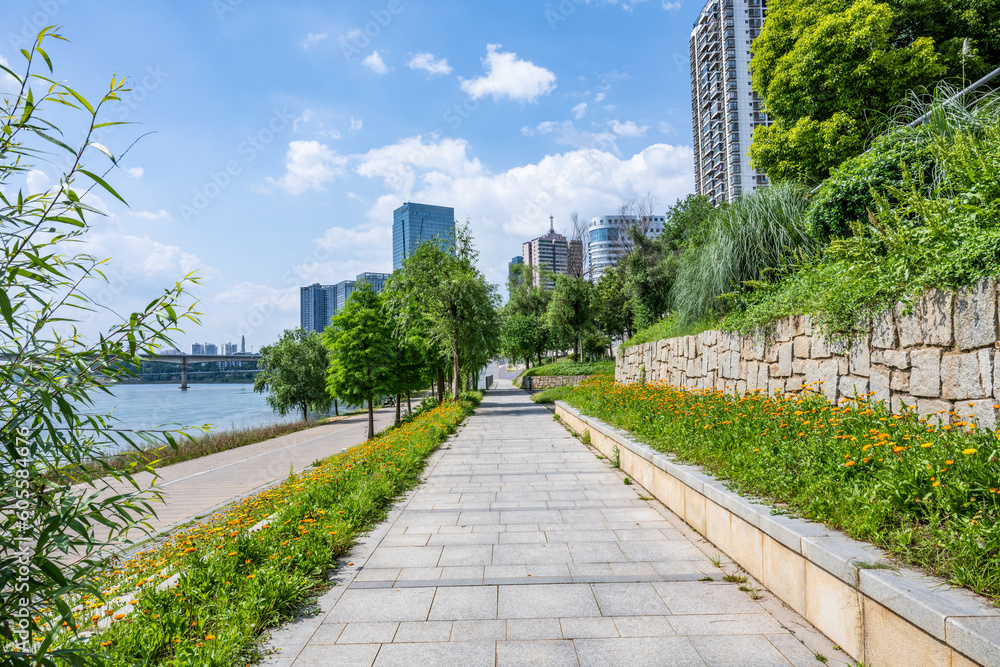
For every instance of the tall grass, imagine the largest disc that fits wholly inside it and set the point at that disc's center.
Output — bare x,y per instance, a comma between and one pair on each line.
758,238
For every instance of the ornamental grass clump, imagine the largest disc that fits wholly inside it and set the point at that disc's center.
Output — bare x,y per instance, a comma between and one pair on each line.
926,490
202,595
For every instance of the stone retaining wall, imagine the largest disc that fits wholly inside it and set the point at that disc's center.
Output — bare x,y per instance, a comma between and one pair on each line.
533,382
881,617
939,357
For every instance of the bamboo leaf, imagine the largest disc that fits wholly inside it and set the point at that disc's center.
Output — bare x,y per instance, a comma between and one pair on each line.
100,181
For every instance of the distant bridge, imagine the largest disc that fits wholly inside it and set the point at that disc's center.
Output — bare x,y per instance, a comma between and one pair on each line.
185,359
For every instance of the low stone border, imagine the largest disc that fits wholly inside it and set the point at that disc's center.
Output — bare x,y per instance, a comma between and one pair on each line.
880,615
533,382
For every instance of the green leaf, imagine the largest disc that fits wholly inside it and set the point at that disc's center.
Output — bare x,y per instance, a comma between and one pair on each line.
100,181
45,56
80,98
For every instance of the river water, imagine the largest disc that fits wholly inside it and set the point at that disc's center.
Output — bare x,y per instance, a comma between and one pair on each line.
224,406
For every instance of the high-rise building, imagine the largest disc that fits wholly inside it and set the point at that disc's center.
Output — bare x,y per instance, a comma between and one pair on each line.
724,106
412,224
606,239
515,262
316,306
230,349
197,349
554,252
211,349
243,344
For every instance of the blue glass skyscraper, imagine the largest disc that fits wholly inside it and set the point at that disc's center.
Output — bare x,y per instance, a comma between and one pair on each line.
412,224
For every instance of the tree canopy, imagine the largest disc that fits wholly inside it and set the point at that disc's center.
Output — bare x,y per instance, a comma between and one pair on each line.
293,373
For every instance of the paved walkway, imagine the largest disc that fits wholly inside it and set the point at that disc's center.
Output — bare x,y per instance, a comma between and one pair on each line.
522,548
195,487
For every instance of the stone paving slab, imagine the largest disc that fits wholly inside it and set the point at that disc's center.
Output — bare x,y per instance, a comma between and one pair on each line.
521,547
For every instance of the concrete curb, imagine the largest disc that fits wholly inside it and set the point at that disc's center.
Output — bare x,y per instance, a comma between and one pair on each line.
878,614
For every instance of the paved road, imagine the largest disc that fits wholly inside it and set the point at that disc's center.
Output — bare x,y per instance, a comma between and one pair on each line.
522,548
193,488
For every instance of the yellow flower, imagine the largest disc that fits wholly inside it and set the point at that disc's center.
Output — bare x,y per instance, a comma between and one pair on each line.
968,452
926,445
937,484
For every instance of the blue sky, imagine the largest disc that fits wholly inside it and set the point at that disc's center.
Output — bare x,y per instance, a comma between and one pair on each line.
286,133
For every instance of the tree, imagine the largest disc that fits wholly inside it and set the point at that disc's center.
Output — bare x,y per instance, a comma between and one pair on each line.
57,488
362,350
522,336
829,72
570,315
440,285
533,301
611,305
293,373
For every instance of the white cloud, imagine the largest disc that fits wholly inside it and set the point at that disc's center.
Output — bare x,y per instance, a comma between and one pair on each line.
566,133
356,124
8,84
671,6
141,259
506,76
666,128
135,172
309,165
375,63
151,215
628,128
398,164
312,39
330,134
37,182
599,98
427,62
579,110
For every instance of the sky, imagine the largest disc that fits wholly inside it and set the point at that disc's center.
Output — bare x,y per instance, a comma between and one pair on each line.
276,138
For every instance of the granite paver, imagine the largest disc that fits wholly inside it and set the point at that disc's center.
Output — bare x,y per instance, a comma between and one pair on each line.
521,547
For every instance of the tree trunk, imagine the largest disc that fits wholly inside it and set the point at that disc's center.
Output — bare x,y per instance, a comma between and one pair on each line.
371,419
399,399
458,374
336,408
440,388
409,405
305,412
527,362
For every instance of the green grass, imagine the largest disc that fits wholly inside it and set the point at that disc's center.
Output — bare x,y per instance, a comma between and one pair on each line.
234,583
927,493
669,327
551,395
564,368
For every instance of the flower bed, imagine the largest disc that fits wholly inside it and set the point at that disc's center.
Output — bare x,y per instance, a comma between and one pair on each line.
928,493
242,570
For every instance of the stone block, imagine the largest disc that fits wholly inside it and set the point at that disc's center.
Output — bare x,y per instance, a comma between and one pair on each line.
891,641
843,366
936,310
853,386
799,367
783,330
860,354
982,413
829,374
820,348
747,546
835,609
908,325
784,573
880,383
799,323
976,315
925,378
784,359
763,377
884,331
801,347
718,528
899,381
977,637
892,358
775,387
967,376
771,353
935,410
694,509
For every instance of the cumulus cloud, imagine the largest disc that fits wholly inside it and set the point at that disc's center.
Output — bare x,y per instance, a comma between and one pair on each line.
135,172
37,182
506,76
599,98
579,110
628,128
312,39
307,115
566,133
375,63
309,165
430,64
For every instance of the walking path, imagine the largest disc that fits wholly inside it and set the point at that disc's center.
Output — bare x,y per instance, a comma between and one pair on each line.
522,548
196,487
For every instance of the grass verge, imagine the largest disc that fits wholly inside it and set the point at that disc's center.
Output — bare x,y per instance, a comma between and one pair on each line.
551,395
243,570
927,493
564,368
669,327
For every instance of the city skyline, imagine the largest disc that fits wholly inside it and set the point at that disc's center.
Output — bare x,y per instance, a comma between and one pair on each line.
515,123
